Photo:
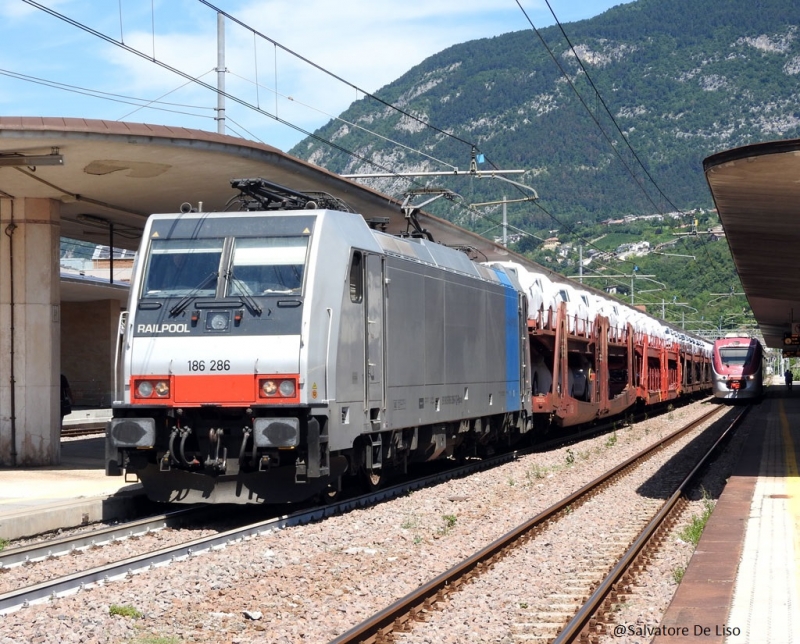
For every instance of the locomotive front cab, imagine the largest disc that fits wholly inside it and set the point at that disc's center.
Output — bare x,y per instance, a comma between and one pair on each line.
213,375
737,368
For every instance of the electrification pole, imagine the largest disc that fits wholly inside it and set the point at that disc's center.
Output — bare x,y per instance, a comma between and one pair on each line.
220,74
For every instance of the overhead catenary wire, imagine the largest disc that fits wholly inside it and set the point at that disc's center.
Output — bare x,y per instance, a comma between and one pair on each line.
258,109
583,102
242,127
198,81
148,103
117,98
328,72
345,121
600,98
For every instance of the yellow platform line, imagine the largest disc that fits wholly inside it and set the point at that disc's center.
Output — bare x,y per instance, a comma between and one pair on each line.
792,487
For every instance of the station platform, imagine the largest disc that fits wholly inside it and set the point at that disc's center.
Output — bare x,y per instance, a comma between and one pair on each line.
742,584
34,500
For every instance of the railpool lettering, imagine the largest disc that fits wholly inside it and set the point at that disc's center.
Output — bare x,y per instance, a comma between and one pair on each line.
163,328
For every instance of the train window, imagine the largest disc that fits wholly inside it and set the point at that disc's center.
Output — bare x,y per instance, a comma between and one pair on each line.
264,265
356,278
177,267
735,355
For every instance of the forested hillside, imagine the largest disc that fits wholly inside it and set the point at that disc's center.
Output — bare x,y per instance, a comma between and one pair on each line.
682,79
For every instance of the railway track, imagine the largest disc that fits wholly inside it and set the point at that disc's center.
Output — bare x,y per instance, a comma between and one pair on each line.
38,553
86,429
60,546
561,607
593,619
129,534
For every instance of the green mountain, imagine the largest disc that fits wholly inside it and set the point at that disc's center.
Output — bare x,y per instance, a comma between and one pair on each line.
682,79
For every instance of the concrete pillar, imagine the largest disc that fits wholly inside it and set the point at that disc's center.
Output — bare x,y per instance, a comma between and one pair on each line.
29,278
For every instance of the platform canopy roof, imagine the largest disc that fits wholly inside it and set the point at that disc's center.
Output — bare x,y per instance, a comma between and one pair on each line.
119,173
115,174
756,189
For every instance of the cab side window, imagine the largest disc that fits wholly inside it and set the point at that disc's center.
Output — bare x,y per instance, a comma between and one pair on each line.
356,277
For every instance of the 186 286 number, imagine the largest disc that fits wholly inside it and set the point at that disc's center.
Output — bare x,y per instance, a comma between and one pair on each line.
211,365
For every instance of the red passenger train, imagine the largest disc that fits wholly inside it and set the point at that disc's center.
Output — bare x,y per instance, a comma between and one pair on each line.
738,368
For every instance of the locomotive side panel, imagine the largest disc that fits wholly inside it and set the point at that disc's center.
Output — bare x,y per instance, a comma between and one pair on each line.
347,364
433,290
335,326
453,346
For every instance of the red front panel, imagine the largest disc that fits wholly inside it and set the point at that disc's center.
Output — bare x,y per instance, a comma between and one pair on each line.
237,390
228,390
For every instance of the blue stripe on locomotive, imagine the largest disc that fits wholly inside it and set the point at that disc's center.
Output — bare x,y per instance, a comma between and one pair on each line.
512,343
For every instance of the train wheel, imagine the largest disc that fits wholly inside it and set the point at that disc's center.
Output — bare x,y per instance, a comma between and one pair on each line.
332,492
375,479
373,471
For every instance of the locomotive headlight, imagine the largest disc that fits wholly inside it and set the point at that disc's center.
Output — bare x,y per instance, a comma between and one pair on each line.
279,387
287,388
144,389
151,388
218,320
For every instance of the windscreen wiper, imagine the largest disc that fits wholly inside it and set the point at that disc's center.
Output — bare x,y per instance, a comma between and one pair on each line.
175,310
244,296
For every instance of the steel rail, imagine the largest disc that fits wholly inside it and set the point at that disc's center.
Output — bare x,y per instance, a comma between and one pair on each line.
67,584
88,538
398,613
574,628
86,429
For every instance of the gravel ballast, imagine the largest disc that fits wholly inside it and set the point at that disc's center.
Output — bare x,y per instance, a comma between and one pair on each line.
311,583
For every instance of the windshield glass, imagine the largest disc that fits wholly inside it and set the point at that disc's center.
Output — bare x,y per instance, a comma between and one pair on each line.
263,265
734,355
177,267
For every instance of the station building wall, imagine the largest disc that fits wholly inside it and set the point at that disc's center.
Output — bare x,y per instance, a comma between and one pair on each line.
88,341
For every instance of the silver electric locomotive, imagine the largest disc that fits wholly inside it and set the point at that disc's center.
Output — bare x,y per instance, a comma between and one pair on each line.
267,353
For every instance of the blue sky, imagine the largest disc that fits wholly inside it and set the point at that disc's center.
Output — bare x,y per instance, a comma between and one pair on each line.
368,43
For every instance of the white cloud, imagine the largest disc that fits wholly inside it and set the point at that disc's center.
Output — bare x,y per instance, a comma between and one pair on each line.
367,43
15,9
